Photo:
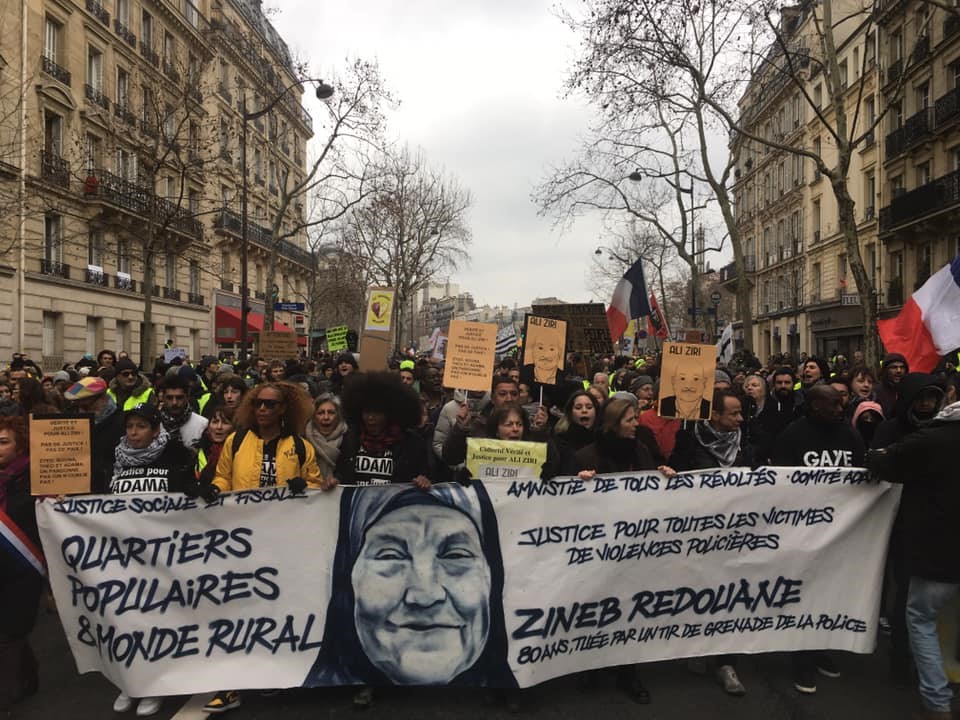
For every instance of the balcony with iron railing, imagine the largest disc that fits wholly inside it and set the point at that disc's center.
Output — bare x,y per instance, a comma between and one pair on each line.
97,277
95,8
938,195
170,70
96,96
195,299
55,268
124,113
55,71
226,285
921,50
124,282
54,169
149,128
103,185
728,272
171,293
232,222
917,127
947,108
149,54
124,33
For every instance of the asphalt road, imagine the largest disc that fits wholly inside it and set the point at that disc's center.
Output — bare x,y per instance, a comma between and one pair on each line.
863,691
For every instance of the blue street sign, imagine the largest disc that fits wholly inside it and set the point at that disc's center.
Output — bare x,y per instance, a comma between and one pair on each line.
290,307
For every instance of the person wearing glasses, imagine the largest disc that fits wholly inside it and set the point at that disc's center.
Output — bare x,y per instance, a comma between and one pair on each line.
269,451
129,388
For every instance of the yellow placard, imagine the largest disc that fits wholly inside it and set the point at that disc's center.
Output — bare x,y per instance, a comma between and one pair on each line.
337,338
470,351
60,454
505,459
379,309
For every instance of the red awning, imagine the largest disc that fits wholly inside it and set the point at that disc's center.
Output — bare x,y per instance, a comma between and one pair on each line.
228,325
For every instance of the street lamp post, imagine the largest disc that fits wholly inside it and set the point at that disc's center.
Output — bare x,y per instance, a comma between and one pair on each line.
323,92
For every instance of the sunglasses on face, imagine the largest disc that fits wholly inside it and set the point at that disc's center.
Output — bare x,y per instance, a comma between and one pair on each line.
268,404
127,373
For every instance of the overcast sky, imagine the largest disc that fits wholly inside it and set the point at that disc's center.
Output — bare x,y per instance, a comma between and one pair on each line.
480,84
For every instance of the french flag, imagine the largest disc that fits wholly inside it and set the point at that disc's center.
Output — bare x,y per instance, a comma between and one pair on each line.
928,326
629,301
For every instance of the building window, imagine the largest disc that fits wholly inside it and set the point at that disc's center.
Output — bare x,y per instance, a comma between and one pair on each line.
870,111
52,133
122,336
818,96
146,29
123,256
844,75
816,220
194,278
923,96
842,271
52,341
95,249
122,12
225,263
871,253
94,335
126,165
896,186
95,69
193,201
170,273
148,109
53,238
869,194
815,283
123,88
52,32
92,152
169,48
923,173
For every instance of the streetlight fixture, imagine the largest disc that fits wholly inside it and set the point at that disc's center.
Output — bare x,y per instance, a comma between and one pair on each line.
323,92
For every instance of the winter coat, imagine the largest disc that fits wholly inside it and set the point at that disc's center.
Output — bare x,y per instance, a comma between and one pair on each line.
562,449
925,462
689,454
20,584
613,454
241,471
401,462
809,443
172,471
141,394
900,424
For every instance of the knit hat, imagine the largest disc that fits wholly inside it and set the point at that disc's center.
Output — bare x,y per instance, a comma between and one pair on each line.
88,387
895,357
61,376
148,411
864,406
126,364
721,376
347,357
640,381
624,395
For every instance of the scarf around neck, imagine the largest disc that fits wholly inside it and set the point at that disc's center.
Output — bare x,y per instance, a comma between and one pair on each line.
127,457
326,446
379,443
173,424
724,447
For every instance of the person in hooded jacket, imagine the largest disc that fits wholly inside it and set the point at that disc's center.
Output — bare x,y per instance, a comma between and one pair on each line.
920,397
892,371
819,439
345,366
780,409
925,462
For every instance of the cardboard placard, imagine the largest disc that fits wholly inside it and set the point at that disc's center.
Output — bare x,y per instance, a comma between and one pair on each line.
277,345
686,381
61,454
337,338
440,348
379,309
587,328
544,343
470,355
169,354
374,351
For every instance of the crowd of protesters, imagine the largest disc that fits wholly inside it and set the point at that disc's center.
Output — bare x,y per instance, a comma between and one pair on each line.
209,427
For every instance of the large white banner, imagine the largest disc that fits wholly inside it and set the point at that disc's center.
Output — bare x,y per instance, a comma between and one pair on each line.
498,584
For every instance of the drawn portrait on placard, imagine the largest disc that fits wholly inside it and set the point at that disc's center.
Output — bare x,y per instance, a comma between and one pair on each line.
417,591
686,381
544,343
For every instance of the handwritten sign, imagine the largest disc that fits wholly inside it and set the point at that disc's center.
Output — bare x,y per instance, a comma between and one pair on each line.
544,343
337,338
439,348
379,309
169,354
166,595
588,330
686,381
489,459
60,454
470,355
277,345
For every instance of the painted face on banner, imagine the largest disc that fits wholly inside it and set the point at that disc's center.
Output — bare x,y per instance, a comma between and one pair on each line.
422,589
689,381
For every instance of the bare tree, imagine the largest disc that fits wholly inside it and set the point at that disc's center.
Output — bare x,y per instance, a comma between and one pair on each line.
340,175
411,227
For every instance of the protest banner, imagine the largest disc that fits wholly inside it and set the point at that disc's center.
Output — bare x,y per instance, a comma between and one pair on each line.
167,596
505,459
379,309
337,338
170,353
686,381
61,453
277,345
544,343
439,348
587,327
470,355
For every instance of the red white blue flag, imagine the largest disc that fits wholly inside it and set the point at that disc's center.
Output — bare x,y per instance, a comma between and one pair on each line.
15,542
928,326
630,301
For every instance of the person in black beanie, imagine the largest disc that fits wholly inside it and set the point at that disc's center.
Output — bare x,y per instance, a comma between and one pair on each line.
345,365
892,370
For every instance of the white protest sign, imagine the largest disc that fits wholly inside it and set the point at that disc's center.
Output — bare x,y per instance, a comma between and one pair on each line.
166,596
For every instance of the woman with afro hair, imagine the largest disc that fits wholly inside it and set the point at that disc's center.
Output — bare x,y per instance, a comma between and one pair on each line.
382,445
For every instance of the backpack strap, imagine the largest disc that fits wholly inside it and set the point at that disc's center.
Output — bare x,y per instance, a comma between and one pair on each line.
238,437
301,450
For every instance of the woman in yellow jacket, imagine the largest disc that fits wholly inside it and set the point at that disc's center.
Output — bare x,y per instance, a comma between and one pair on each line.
267,451
270,451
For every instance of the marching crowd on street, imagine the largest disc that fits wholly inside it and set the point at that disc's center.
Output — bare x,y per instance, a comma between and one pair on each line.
208,427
